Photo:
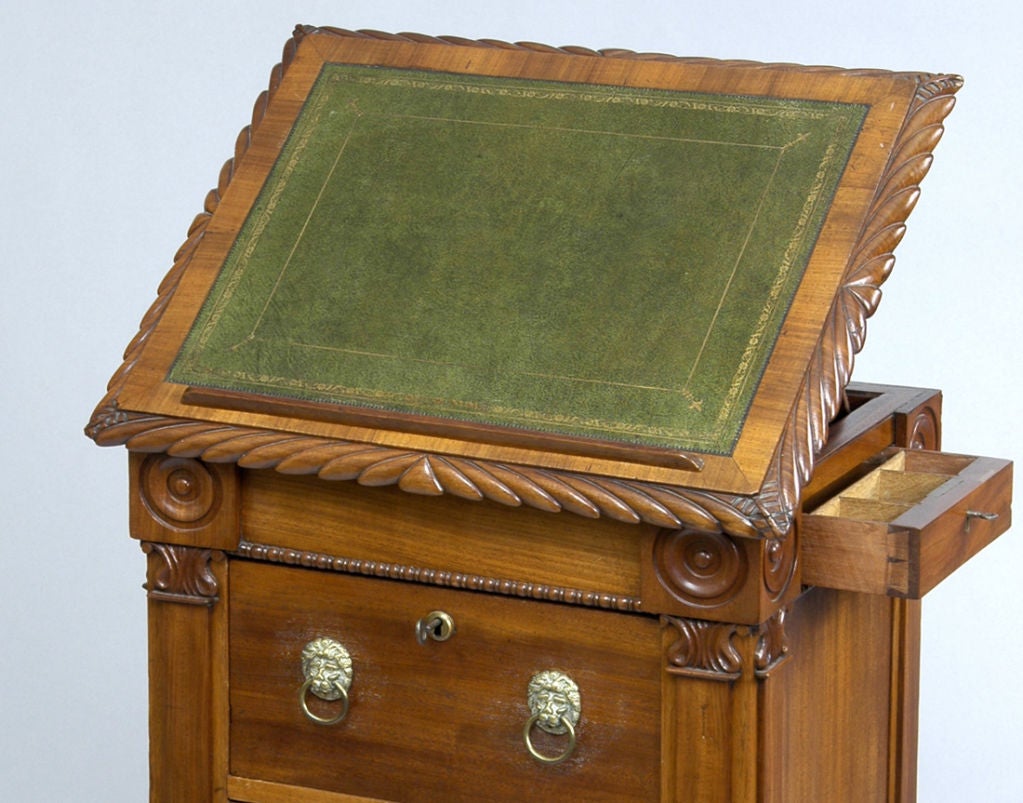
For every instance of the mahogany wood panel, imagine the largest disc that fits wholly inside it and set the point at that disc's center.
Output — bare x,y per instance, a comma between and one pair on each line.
383,525
905,700
180,733
826,724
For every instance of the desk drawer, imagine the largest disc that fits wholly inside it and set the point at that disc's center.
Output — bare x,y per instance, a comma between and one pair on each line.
908,524
438,721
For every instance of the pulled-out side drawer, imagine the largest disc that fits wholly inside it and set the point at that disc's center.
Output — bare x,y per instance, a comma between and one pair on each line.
907,525
435,716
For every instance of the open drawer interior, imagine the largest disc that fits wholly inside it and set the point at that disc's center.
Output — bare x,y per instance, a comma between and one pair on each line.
908,524
900,483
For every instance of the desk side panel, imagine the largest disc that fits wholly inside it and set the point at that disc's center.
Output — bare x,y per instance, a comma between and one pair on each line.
832,716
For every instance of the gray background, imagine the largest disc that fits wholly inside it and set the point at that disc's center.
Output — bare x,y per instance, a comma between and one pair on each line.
116,120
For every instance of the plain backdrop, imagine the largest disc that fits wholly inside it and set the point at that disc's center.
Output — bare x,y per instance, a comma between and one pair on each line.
116,118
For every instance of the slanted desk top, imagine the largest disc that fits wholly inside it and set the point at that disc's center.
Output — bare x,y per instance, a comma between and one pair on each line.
551,259
652,269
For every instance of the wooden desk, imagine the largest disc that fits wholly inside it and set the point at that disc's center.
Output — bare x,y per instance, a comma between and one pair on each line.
349,603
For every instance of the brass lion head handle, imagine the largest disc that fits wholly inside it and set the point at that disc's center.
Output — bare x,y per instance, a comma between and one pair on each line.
327,668
555,705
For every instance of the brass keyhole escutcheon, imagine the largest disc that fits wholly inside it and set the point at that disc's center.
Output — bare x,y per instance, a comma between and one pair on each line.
436,625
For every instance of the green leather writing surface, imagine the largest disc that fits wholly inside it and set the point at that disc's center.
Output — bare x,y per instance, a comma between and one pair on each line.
582,260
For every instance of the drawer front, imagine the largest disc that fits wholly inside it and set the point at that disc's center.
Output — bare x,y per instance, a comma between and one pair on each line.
908,524
439,720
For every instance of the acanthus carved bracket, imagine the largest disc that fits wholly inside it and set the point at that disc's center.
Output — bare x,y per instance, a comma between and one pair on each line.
181,574
720,651
705,650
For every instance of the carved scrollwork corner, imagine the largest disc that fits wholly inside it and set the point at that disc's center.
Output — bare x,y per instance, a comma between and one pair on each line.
772,648
705,650
178,499
925,433
780,559
714,650
181,574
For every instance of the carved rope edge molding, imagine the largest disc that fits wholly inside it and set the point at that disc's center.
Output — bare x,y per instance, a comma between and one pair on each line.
770,513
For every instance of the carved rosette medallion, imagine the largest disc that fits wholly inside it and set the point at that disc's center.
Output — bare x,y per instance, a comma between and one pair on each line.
703,649
181,574
779,565
925,430
701,569
180,492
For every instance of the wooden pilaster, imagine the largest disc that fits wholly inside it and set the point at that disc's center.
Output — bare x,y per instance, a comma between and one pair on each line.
186,514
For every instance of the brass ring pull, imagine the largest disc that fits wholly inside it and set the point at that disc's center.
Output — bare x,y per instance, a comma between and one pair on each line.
555,706
327,668
565,724
343,697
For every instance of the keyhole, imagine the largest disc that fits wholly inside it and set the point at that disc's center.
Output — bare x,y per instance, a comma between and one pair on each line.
436,625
